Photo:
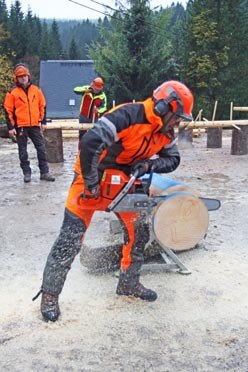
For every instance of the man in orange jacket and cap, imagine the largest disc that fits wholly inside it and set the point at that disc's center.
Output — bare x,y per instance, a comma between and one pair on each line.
125,138
25,112
93,104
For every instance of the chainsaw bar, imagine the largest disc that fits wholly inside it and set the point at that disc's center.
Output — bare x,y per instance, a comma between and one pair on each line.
142,202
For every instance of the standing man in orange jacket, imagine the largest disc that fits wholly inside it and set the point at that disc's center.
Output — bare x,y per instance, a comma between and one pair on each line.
125,138
25,111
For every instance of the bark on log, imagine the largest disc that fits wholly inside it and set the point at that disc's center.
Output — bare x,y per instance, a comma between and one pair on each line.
214,138
54,145
239,144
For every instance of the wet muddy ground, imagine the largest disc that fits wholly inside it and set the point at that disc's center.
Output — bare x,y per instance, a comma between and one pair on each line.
199,322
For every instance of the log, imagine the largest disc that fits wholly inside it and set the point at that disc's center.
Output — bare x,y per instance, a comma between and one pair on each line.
237,108
214,138
54,145
239,145
180,221
194,124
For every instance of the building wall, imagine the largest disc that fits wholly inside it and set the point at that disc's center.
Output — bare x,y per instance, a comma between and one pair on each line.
57,80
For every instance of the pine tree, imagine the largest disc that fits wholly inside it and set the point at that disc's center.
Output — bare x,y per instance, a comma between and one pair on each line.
18,42
6,74
215,32
55,43
133,54
45,47
73,50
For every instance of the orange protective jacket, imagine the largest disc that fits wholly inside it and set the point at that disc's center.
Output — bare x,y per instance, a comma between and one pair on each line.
24,108
124,135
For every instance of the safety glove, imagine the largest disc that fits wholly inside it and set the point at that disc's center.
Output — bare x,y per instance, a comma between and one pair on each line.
92,192
141,167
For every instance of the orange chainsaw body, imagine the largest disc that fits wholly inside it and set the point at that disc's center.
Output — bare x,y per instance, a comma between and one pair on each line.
113,181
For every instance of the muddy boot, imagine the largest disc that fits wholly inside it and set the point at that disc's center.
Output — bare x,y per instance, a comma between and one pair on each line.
128,286
27,177
50,306
47,177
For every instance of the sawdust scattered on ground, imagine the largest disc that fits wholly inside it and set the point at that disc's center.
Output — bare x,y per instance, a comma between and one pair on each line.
199,322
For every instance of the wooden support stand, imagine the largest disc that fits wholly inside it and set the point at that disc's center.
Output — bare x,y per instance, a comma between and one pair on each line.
54,145
240,141
214,138
4,133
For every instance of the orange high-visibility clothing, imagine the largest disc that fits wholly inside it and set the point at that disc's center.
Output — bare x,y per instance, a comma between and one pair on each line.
24,108
124,135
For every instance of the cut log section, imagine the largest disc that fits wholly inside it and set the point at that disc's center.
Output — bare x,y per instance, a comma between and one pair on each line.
180,222
54,145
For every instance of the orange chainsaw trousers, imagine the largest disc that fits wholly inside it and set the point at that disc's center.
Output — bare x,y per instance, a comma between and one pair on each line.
85,208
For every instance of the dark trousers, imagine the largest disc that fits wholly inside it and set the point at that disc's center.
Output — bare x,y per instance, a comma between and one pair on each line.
63,253
34,133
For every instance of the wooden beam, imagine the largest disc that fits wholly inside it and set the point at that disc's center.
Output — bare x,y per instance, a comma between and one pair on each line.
236,108
194,124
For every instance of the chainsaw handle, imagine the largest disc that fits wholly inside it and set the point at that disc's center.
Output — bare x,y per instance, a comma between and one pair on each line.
149,180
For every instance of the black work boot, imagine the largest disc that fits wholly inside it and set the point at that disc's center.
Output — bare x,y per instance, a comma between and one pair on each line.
27,177
47,177
50,306
127,288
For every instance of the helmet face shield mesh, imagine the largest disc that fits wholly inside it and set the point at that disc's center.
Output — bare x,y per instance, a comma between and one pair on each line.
170,121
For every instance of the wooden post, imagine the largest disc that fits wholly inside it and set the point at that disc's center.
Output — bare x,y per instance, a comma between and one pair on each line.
214,138
239,144
214,135
4,133
54,145
231,110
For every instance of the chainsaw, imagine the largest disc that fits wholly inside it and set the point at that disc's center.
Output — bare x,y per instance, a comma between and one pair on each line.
123,193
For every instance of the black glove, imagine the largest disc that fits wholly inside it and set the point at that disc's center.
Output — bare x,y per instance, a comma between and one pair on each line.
141,167
91,193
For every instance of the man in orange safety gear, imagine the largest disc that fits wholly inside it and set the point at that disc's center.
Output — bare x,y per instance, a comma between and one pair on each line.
125,138
25,112
93,104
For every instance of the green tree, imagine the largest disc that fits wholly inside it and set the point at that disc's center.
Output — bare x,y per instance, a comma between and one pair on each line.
18,41
212,55
45,47
3,14
73,50
6,74
33,30
55,43
133,55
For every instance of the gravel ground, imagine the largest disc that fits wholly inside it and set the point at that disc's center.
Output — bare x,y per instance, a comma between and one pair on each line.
199,322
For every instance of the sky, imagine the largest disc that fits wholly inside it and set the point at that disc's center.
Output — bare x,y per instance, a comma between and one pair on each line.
66,9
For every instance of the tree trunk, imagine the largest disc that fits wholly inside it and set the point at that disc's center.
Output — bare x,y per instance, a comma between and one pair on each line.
54,145
214,138
240,141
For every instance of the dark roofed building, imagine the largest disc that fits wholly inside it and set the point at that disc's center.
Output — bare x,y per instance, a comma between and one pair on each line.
57,80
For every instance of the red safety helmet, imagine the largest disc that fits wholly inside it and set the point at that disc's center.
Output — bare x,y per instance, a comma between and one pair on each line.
20,70
97,83
175,97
